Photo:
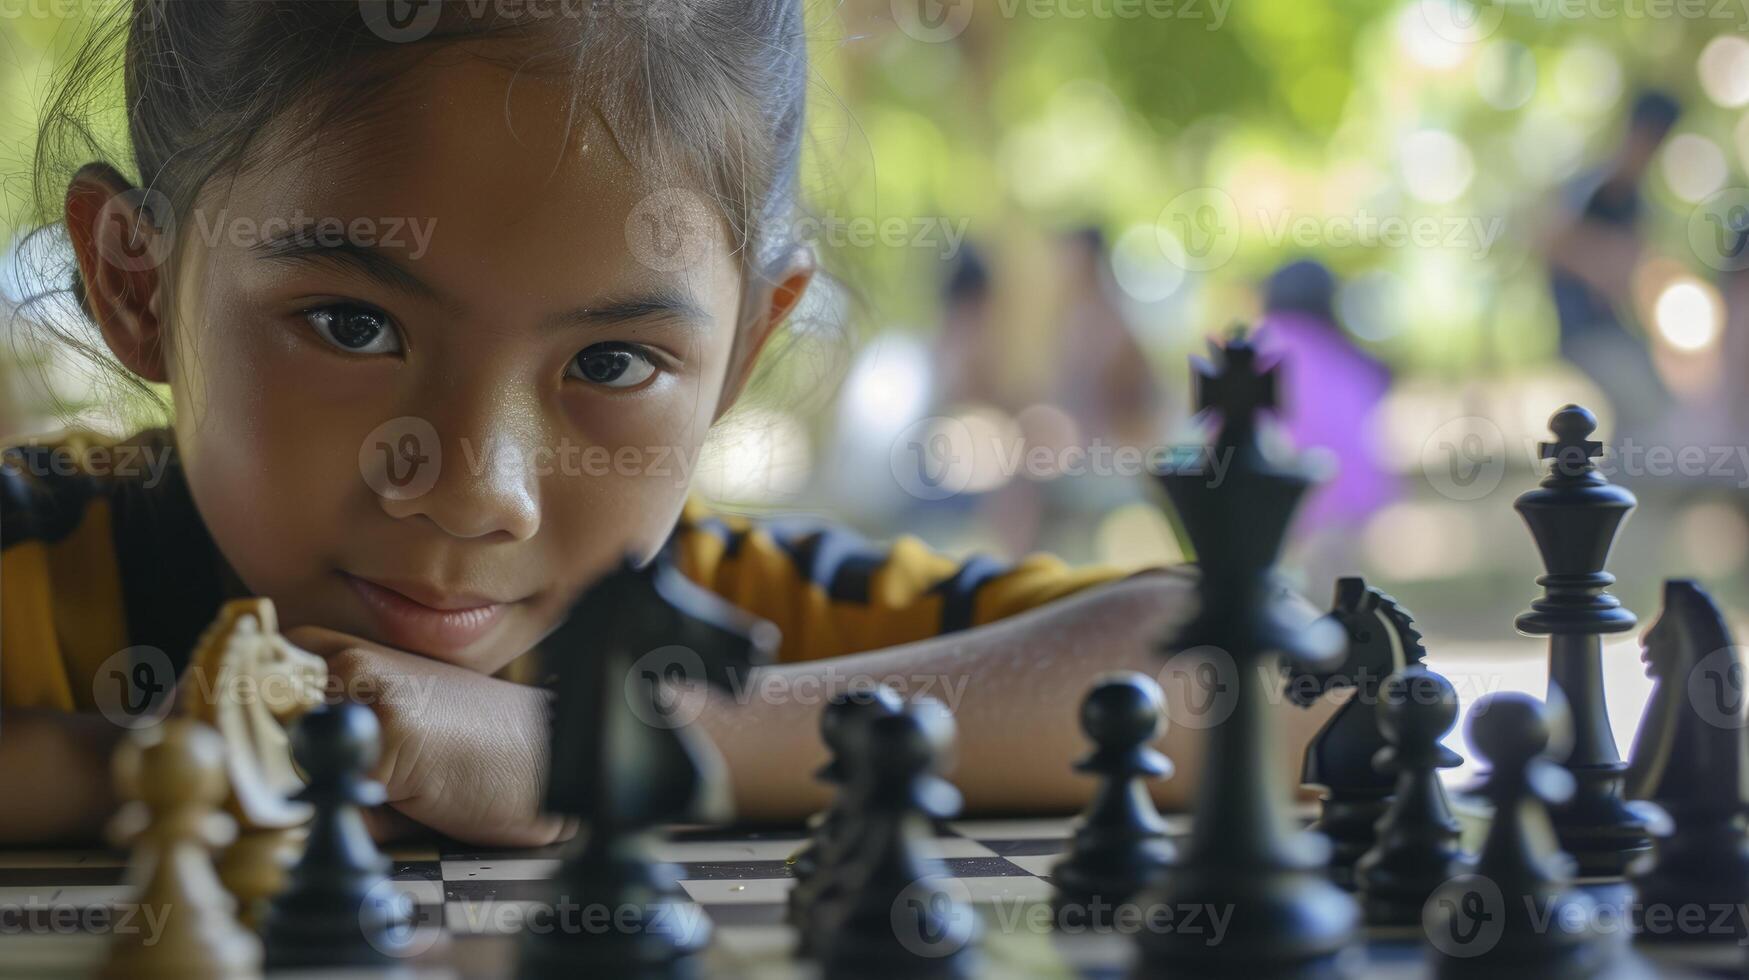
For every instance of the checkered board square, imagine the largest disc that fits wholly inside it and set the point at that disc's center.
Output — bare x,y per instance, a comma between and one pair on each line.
57,906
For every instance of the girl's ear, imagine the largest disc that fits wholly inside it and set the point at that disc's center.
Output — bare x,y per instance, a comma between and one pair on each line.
121,241
772,297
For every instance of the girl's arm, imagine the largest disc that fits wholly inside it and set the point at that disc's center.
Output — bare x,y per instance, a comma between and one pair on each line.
1015,689
466,754
57,768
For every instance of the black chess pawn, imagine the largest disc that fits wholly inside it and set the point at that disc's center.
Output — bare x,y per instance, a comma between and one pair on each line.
1574,515
1518,914
1417,849
1120,846
338,908
814,865
901,913
1689,759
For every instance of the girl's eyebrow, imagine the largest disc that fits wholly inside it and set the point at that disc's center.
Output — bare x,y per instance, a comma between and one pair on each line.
303,244
661,301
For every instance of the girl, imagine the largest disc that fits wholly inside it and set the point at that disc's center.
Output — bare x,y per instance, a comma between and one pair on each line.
440,300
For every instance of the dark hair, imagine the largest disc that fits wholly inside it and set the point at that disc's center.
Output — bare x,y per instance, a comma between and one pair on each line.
1302,286
1655,110
714,87
1089,237
968,279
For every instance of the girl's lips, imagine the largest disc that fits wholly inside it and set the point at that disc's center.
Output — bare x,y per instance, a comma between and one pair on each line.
417,627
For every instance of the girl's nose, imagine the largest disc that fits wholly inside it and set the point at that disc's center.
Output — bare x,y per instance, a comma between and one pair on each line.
471,482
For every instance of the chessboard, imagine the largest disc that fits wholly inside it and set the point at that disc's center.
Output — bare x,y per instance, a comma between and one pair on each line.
470,907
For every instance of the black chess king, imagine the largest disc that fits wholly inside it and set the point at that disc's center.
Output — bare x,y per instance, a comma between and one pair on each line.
1574,514
1244,855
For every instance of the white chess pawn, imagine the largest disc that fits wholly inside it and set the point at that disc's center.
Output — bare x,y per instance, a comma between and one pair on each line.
184,923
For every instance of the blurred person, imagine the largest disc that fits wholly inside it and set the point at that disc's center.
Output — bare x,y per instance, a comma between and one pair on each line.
1329,394
1592,251
966,372
967,376
1101,395
1104,380
1733,410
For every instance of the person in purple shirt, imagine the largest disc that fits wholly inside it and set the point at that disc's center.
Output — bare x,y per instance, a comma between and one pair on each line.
1330,392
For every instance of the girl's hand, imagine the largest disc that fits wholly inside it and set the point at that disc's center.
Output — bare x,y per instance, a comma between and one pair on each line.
463,754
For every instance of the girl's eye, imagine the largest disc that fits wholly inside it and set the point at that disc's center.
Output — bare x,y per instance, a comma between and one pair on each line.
613,365
355,329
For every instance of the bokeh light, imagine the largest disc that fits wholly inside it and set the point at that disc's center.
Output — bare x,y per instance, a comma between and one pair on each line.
1506,74
1694,166
1724,70
1141,268
1689,314
757,456
1435,165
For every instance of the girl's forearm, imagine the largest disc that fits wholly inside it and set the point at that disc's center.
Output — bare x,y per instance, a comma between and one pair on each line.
58,766
1015,688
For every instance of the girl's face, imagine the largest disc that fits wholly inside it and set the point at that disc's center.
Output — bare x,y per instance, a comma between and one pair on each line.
473,383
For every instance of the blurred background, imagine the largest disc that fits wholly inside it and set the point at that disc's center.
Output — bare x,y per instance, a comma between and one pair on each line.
1447,220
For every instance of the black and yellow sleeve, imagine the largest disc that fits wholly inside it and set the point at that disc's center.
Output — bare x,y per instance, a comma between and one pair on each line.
832,592
99,553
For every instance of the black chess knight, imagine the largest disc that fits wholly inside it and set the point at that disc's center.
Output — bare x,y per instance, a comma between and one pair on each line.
1382,640
1689,758
626,763
1244,854
1574,515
